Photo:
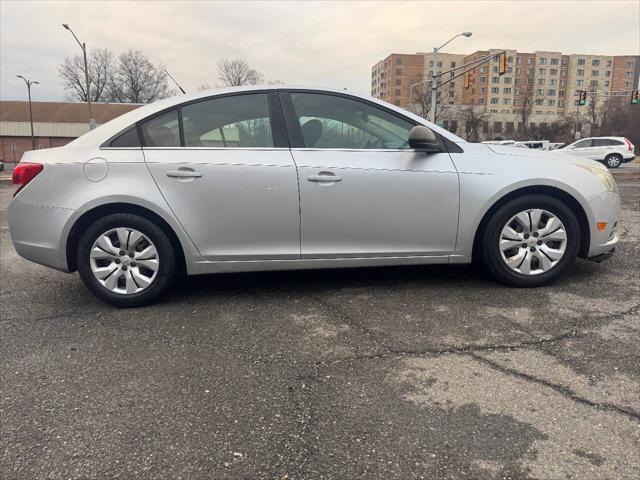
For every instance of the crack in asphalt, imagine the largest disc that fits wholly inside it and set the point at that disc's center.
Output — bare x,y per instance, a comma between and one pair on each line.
564,390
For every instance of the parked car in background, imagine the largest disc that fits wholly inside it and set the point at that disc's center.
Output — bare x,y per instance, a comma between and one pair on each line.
612,151
1,166
275,178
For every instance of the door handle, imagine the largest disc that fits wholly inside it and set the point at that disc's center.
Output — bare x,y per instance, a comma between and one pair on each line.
183,174
324,178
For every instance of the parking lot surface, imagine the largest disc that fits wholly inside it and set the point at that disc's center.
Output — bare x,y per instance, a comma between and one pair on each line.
421,372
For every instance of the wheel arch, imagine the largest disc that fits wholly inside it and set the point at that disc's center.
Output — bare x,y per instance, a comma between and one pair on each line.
552,191
88,217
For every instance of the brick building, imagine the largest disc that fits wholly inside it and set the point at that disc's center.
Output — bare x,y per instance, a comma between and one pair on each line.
54,123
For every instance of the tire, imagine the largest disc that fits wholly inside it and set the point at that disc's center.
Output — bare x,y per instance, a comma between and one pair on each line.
130,284
543,269
613,160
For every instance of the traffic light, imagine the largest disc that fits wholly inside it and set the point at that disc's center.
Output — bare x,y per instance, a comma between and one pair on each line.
502,63
582,97
634,97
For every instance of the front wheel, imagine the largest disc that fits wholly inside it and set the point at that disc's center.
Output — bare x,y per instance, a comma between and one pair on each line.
126,260
613,161
530,241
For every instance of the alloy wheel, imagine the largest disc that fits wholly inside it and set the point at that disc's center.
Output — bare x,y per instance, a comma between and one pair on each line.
124,260
533,242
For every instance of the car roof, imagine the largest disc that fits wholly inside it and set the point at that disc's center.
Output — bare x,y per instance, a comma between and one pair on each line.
109,129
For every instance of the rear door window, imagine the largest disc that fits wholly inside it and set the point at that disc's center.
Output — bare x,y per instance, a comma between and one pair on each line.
162,130
238,121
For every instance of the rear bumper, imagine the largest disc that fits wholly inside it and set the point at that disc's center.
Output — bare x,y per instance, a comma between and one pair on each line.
37,231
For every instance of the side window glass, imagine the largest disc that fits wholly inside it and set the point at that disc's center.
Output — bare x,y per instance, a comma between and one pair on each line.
601,142
162,131
331,121
239,121
127,139
583,144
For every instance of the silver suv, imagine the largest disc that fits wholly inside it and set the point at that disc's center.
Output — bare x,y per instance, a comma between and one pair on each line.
612,151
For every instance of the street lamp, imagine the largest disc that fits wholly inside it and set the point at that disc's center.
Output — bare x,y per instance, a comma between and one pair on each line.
29,83
433,73
83,46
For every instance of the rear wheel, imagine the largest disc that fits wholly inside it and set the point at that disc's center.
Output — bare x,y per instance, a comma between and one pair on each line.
530,241
126,260
613,161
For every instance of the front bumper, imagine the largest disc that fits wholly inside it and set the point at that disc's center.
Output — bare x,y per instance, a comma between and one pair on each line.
37,233
605,208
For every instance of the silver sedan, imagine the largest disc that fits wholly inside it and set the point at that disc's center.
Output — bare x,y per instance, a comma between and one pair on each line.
276,178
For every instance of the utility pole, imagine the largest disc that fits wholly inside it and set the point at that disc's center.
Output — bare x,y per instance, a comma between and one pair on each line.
434,87
83,46
29,83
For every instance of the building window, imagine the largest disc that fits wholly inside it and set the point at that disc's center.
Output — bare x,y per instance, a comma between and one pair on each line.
551,102
509,127
629,74
507,80
483,79
517,71
595,73
485,127
398,81
561,93
510,59
398,61
497,127
581,61
607,73
495,79
398,71
554,61
495,90
607,83
630,64
540,92
595,63
543,61
494,100
553,82
481,100
593,83
507,91
580,72
551,92
453,64
608,63
539,101
397,92
529,60
563,73
494,69
553,71
506,101
542,71
518,60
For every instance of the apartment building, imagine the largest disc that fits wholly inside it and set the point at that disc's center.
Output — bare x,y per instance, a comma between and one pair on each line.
547,80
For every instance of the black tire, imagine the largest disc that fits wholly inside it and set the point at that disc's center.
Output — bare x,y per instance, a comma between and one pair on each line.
613,160
490,250
166,257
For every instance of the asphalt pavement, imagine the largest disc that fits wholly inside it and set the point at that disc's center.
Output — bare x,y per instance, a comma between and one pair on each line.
389,373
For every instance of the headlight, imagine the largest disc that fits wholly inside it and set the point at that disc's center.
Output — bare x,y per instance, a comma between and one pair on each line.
603,174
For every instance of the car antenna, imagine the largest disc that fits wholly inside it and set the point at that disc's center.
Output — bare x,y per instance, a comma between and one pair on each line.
174,81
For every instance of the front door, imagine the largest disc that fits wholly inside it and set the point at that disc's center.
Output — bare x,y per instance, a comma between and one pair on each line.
363,192
223,169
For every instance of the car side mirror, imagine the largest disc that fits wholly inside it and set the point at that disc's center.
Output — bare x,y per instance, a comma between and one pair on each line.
423,139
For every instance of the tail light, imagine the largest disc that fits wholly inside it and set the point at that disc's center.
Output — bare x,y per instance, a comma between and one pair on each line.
629,144
24,173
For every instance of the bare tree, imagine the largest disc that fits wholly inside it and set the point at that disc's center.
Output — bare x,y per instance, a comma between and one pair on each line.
593,112
473,118
100,64
525,103
420,100
621,119
236,72
204,85
137,80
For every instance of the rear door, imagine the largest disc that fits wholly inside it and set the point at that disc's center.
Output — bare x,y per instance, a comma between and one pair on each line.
224,166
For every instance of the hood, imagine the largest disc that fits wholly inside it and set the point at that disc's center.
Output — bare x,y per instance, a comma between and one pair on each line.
555,155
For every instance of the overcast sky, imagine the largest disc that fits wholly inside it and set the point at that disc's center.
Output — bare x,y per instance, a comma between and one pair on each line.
330,44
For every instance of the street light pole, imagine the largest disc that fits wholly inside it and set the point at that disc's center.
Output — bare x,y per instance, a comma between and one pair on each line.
83,46
434,87
29,83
